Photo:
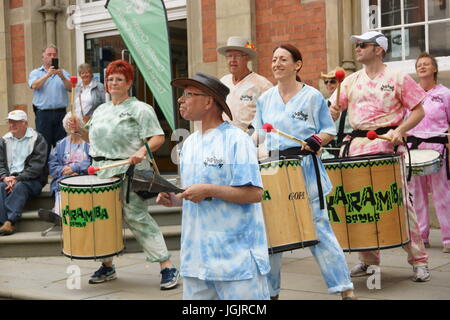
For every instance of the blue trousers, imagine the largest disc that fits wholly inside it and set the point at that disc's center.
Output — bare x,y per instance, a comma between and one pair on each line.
11,205
49,124
327,252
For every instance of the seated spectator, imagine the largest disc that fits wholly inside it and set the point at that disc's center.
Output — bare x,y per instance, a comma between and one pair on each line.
70,157
23,159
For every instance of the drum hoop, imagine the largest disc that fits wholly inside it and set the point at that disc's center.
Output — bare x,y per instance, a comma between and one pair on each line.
425,163
358,162
288,162
108,183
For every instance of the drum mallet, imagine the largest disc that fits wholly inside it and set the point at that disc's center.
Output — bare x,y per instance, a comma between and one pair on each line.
73,80
372,135
340,76
92,170
269,128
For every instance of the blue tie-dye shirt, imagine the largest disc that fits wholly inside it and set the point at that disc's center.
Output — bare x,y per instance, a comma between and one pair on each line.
305,114
219,239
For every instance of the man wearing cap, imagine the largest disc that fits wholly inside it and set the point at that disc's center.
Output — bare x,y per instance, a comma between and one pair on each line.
245,86
223,240
377,98
342,125
50,85
23,156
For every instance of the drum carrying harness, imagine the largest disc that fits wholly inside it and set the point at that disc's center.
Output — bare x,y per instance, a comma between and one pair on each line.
297,151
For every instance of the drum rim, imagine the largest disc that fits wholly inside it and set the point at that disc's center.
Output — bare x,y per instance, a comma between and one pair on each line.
281,159
377,248
358,159
93,257
293,246
109,183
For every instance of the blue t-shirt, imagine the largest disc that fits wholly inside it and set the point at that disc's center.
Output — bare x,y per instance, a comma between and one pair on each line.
305,114
53,94
219,239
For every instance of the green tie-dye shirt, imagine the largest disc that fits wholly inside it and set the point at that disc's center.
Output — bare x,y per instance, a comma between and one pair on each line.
118,131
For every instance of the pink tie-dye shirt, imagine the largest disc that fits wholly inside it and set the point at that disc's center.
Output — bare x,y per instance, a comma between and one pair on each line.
375,103
437,116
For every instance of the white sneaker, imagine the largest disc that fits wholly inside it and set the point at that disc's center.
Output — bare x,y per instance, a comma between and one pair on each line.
421,274
360,270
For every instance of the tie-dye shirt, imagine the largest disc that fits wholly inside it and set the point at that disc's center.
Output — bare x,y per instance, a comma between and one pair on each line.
243,96
437,116
305,114
375,103
118,131
219,239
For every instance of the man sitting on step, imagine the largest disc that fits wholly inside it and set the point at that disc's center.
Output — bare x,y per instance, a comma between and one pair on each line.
23,159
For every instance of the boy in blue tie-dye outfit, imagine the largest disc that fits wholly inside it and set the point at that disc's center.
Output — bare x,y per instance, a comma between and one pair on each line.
223,241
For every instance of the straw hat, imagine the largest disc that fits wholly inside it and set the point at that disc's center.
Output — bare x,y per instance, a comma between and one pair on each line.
240,44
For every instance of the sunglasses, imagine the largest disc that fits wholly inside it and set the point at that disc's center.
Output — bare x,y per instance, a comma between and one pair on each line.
332,81
363,45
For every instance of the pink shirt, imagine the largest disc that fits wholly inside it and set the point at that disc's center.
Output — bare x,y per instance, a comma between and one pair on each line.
375,103
437,116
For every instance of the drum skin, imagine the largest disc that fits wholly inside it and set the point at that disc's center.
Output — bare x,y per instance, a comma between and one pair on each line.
287,213
91,214
366,206
423,161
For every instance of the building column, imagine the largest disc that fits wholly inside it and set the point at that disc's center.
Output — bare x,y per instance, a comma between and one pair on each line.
50,10
348,62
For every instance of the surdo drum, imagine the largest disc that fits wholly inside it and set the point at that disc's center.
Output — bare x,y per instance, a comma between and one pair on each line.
423,161
287,213
366,205
91,214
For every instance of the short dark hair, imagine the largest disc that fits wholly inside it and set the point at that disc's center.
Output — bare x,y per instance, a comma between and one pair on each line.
433,62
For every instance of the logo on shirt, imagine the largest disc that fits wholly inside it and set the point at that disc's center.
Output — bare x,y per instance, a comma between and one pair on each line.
299,115
213,162
437,99
387,88
246,98
124,114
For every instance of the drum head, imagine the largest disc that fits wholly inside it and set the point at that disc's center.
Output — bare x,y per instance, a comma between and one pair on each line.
90,180
422,156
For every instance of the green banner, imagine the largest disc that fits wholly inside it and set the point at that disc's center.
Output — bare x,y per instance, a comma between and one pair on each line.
142,25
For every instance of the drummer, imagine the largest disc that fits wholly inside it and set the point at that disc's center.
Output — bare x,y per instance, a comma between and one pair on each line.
117,131
437,118
365,94
301,111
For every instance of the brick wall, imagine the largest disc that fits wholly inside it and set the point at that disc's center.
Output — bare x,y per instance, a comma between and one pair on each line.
302,25
209,30
13,4
18,53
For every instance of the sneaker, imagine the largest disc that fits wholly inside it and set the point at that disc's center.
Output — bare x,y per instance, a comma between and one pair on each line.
446,248
103,274
169,278
360,270
421,274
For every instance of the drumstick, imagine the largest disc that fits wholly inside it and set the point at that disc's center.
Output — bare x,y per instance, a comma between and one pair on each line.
435,133
269,128
339,75
372,135
74,81
92,170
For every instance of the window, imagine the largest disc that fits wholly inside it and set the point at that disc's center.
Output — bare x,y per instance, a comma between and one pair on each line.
412,26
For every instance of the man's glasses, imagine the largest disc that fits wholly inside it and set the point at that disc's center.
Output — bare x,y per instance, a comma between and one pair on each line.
332,81
363,45
237,56
187,94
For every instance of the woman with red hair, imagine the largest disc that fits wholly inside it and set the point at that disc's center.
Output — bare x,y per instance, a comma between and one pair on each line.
118,130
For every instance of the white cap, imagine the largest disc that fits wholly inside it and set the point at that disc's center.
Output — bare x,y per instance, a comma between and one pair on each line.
17,115
372,36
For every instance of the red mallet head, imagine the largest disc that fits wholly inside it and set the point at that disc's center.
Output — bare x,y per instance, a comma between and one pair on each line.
267,127
92,170
73,80
372,135
339,75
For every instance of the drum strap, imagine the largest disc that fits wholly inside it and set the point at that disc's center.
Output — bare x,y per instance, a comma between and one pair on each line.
297,151
362,134
106,159
416,141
